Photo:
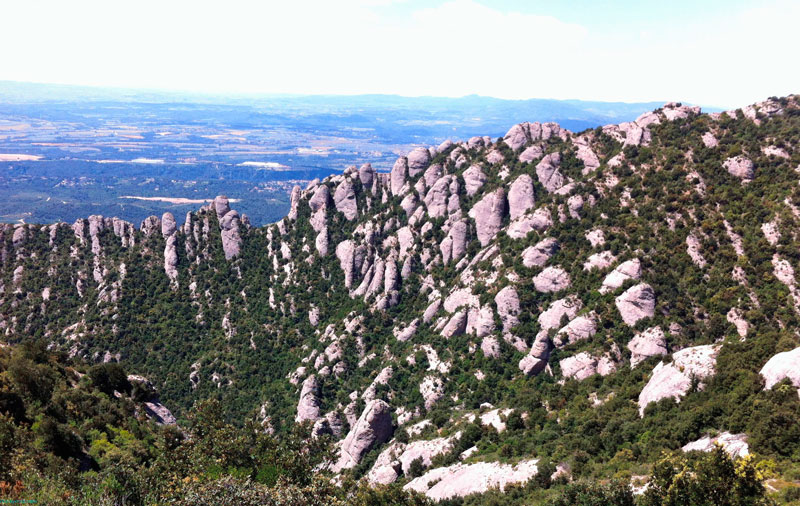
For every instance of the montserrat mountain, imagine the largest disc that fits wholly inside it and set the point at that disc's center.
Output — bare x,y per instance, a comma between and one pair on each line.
489,311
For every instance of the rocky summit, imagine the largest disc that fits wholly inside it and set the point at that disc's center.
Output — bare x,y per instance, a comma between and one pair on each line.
547,305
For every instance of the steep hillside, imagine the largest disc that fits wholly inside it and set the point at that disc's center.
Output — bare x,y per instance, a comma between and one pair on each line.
548,302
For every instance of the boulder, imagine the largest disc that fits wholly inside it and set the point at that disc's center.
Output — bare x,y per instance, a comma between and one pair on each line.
636,303
782,366
709,140
521,196
675,379
387,468
454,245
599,261
372,428
432,174
538,254
480,321
649,343
551,279
488,214
436,200
345,252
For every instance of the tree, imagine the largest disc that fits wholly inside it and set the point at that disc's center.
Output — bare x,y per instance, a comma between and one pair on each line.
714,479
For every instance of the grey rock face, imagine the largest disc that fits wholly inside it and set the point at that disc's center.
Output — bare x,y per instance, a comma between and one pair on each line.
551,318
551,279
436,200
675,379
221,205
488,214
548,173
474,179
579,329
781,366
649,343
168,229
631,269
373,427
308,407
536,359
366,174
521,196
636,303
295,201
518,136
507,302
397,178
149,226
345,252
454,245
231,240
741,167
320,198
344,198
531,153
457,325
418,161
538,254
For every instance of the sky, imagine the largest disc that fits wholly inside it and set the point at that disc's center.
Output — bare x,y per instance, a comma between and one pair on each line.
717,53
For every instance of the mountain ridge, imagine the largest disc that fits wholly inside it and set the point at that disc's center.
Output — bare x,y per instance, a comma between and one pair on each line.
649,262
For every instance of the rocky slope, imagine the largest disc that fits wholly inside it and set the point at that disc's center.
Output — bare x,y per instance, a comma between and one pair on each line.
580,282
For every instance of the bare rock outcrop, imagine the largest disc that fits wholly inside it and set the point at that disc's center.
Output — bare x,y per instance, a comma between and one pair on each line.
460,480
568,306
734,444
631,269
782,366
551,279
548,172
579,329
488,214
538,356
344,198
308,408
741,167
168,229
454,245
649,343
636,303
538,254
397,178
418,160
373,427
521,196
584,365
675,379
507,301
474,179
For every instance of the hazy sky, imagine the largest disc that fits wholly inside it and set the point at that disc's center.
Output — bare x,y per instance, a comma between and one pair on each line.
725,53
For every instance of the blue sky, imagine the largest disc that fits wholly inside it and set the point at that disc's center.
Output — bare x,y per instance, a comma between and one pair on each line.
718,53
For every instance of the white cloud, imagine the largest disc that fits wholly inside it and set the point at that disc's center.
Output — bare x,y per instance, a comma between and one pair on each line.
381,46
